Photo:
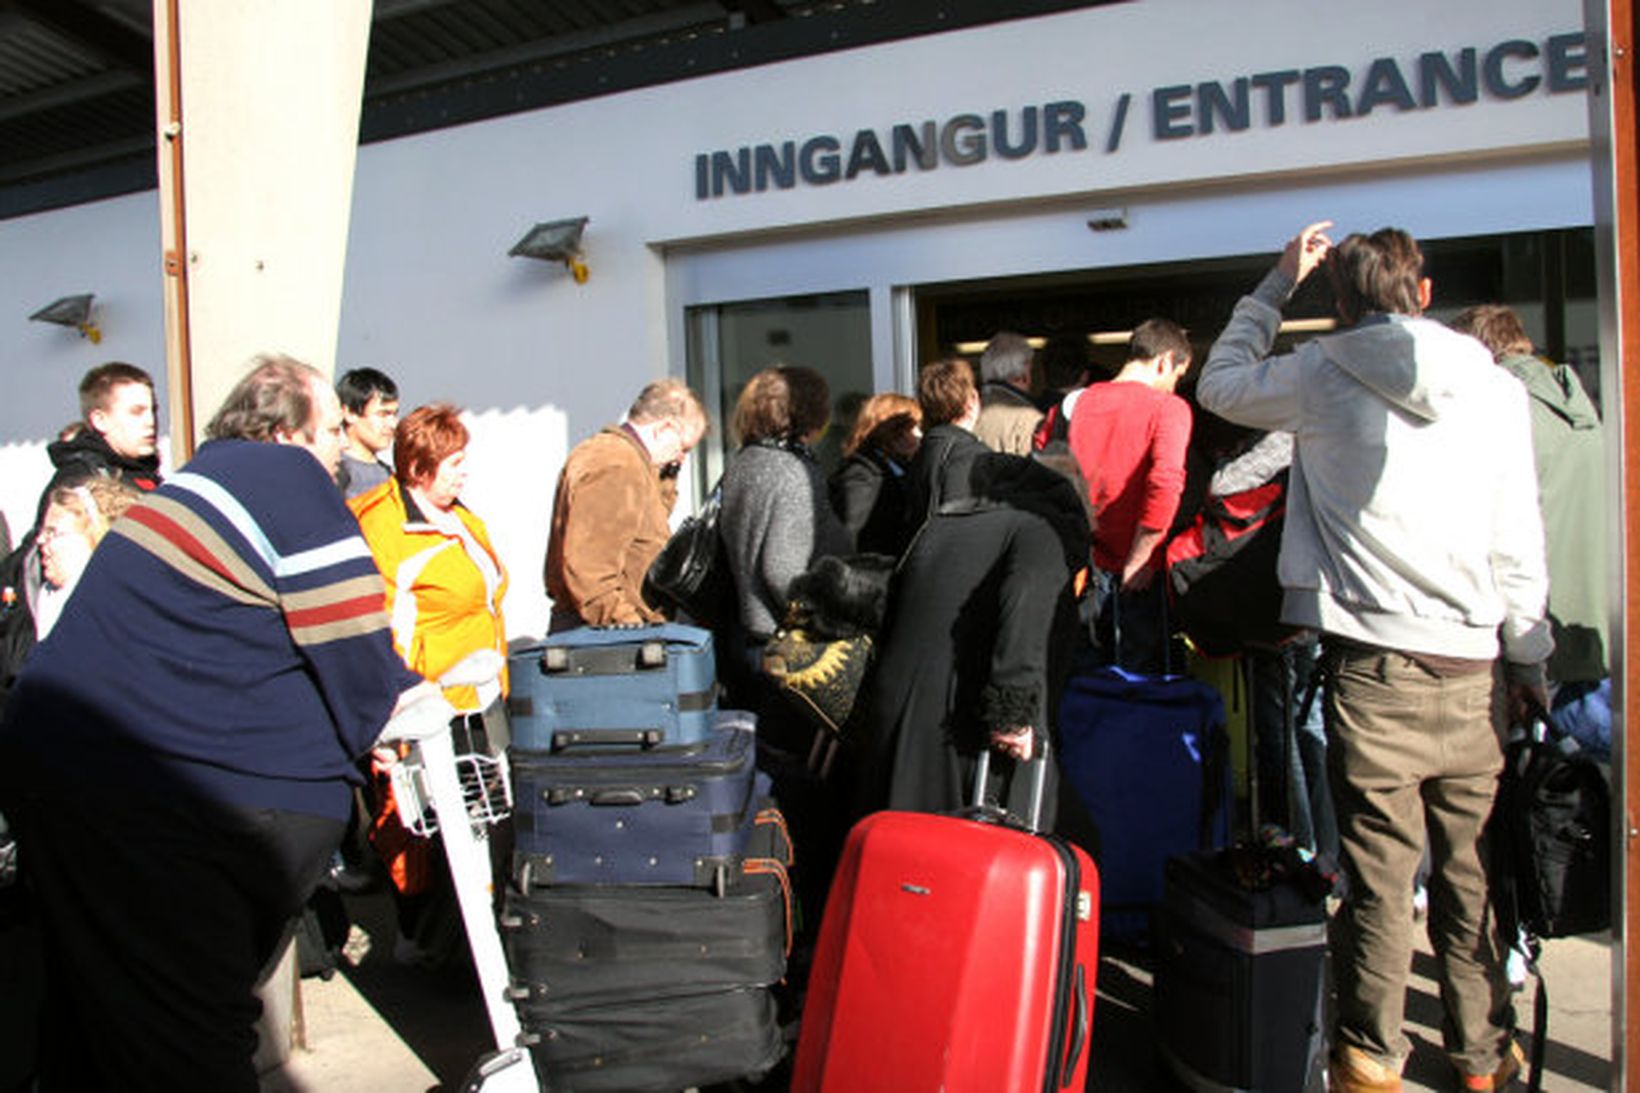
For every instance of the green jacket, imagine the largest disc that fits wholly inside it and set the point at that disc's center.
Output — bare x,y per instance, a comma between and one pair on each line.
1569,445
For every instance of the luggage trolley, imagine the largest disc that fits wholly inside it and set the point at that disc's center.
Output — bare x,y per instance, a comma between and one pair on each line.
433,787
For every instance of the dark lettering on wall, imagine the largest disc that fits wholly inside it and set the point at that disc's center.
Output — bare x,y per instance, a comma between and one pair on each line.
818,161
1275,85
1234,108
1435,74
779,165
866,154
732,172
959,143
1027,137
1062,121
1170,117
1497,81
1506,70
1328,85
1385,86
923,147
1568,56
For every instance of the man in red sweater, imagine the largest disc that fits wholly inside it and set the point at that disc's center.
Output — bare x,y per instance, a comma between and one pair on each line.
1129,438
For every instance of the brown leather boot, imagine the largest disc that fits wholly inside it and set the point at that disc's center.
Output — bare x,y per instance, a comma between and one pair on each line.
1514,1060
1354,1071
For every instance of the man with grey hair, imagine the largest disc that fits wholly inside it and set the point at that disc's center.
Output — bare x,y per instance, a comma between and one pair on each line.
175,804
612,512
1007,416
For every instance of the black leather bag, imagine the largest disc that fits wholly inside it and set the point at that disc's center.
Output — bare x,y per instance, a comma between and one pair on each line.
691,573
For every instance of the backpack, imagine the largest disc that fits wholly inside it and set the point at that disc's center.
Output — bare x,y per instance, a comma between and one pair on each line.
1551,854
1552,837
1221,570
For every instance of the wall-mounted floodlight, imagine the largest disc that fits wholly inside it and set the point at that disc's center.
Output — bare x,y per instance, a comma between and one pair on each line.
556,241
74,311
1107,220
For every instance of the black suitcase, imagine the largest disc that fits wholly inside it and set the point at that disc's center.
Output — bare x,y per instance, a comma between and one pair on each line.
672,1043
1239,982
637,817
575,945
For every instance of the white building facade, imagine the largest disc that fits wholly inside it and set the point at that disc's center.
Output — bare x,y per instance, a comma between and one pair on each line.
817,211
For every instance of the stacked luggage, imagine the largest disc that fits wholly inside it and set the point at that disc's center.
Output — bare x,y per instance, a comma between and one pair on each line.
649,909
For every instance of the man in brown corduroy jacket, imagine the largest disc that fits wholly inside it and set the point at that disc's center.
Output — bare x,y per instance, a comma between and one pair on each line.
611,514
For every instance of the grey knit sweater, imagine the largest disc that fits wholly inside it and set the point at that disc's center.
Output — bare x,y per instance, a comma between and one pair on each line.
776,522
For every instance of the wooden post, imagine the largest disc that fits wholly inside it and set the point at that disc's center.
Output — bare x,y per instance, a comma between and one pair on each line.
1611,26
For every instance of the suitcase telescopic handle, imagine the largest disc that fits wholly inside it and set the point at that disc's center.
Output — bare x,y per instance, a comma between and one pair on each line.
1039,782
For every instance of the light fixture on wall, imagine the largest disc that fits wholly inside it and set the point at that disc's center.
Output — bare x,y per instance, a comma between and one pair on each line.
74,311
556,241
1106,220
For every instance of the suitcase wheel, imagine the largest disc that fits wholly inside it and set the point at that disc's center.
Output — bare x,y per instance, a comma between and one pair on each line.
555,658
652,654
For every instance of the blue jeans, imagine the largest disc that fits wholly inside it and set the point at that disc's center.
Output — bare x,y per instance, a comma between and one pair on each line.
1130,627
1292,779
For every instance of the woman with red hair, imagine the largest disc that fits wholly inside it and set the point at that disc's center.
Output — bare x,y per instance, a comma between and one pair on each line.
444,588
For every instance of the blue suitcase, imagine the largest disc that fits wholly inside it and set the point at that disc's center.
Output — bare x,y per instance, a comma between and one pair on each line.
1147,757
638,817
649,687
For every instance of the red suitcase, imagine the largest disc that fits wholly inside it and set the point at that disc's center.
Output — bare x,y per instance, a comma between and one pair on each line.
956,954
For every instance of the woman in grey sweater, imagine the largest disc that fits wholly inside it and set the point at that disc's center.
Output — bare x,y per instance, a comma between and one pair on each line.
777,519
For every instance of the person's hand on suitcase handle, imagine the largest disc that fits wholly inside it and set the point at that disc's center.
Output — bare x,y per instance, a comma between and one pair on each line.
1015,741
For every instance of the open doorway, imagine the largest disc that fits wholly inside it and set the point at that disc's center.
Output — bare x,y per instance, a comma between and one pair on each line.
1548,277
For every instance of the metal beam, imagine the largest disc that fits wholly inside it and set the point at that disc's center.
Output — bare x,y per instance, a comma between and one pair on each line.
392,110
80,23
73,91
546,49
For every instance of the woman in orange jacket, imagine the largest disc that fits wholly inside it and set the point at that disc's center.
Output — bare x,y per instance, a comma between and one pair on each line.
445,583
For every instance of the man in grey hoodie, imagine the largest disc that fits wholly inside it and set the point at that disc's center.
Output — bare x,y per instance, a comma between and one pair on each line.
1413,543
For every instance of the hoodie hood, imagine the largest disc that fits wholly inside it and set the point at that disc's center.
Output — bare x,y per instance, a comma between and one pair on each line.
1415,364
87,452
1556,387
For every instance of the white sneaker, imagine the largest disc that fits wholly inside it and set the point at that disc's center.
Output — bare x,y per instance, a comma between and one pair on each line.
1420,902
1515,965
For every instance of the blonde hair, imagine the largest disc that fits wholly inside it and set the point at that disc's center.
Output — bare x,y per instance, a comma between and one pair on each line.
97,501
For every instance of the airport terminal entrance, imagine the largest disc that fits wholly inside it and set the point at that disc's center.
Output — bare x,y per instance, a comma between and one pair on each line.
1548,277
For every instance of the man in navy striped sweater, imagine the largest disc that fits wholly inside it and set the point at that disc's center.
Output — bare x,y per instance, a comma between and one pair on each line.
177,754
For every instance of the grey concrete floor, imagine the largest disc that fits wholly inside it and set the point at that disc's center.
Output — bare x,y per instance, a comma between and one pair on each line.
381,1028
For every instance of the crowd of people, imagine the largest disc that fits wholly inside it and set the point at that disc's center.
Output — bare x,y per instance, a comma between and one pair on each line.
221,666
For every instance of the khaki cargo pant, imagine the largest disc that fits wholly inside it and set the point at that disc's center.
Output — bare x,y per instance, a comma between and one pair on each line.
1409,752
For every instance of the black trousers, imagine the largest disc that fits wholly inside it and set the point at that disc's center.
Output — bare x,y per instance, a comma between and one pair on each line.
160,914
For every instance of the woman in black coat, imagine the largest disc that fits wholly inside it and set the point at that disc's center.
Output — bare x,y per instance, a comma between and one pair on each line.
868,489
981,617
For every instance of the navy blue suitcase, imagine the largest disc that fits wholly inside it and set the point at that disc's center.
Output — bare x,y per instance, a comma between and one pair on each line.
637,817
648,687
1147,757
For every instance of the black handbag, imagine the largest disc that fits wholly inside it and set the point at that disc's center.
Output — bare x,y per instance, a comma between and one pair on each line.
691,573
